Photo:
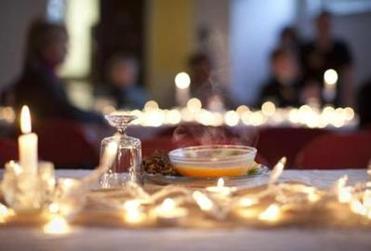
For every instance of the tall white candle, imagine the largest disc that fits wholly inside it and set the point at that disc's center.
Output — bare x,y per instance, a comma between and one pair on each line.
330,79
27,143
182,92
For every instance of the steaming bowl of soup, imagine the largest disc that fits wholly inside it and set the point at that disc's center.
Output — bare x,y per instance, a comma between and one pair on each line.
213,160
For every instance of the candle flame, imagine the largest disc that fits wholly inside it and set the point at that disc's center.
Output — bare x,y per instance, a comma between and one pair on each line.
25,119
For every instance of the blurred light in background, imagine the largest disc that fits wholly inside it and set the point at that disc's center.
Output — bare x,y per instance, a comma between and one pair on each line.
330,77
347,6
55,10
80,16
254,26
182,80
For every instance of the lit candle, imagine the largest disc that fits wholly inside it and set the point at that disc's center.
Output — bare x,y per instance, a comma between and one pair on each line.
182,84
27,143
220,189
330,79
169,211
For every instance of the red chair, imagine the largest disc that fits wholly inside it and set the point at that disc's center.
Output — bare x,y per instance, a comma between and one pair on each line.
275,143
66,144
8,151
336,151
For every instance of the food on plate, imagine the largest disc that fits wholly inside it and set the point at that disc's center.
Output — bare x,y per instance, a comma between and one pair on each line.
159,163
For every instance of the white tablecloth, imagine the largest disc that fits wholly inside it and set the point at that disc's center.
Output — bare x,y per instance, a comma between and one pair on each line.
284,239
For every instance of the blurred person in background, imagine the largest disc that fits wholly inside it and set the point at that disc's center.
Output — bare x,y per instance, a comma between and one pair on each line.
39,86
123,82
209,91
282,88
327,52
289,40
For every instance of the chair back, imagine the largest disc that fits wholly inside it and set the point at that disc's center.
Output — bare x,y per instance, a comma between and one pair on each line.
336,151
275,143
8,151
66,144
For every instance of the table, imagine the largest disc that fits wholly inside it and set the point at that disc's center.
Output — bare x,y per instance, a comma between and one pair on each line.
187,239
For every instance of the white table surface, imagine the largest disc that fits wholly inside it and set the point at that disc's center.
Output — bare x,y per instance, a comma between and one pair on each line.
284,239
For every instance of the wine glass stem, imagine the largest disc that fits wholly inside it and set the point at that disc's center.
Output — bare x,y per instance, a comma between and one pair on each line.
122,130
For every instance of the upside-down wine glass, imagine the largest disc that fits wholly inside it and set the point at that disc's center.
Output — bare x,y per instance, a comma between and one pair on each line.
127,166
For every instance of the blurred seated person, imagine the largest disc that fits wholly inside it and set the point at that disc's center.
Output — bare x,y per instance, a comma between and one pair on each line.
39,87
327,52
283,85
364,105
123,77
212,95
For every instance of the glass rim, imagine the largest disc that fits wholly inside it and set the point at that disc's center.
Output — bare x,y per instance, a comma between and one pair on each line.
246,152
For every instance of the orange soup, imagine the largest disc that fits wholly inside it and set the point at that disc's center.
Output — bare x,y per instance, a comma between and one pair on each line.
194,171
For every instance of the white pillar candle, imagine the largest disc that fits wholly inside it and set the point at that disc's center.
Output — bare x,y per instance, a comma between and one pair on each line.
27,143
330,79
182,91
